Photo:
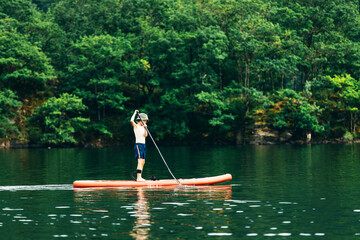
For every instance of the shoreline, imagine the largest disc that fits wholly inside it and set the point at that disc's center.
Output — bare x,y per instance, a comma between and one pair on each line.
19,144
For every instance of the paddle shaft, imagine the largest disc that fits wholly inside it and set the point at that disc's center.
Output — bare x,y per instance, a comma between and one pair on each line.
147,130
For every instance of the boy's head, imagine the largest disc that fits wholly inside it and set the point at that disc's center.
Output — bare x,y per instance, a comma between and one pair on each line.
142,116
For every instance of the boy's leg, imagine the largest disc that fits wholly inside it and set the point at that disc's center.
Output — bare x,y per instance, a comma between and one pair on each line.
139,168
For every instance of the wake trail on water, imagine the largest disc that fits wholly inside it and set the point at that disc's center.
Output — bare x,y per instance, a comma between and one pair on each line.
51,187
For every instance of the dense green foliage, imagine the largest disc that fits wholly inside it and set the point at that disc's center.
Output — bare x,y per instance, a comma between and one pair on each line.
58,119
204,70
9,104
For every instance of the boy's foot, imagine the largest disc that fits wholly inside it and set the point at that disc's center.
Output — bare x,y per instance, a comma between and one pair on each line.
140,180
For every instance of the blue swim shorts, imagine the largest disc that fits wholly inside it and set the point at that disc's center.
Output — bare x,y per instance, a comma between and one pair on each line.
140,151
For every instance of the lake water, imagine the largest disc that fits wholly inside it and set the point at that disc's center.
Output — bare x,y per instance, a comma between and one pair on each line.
293,192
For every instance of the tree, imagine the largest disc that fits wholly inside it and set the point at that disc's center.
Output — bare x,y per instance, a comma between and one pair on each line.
44,5
170,118
221,115
50,38
21,10
348,89
228,112
24,68
60,119
9,105
292,111
97,65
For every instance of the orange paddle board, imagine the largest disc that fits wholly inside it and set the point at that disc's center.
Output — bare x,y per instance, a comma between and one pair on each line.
150,183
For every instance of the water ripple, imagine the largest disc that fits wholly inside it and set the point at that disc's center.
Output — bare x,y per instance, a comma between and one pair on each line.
50,187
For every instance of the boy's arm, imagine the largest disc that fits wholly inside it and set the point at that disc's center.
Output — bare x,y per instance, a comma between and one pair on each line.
146,133
132,120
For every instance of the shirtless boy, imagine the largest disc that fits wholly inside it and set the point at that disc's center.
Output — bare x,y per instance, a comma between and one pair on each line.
140,135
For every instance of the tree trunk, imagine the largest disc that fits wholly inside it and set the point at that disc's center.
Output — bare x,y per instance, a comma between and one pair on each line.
352,125
239,138
221,76
240,71
355,117
246,73
97,103
302,75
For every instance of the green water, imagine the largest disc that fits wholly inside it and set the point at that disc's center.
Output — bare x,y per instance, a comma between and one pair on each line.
293,192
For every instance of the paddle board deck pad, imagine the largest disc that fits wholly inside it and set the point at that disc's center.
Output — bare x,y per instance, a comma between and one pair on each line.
151,183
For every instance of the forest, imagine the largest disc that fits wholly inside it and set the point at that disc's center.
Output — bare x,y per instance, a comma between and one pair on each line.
72,72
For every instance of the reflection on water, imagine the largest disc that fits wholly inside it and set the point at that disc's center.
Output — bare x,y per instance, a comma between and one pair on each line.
51,187
142,223
141,210
277,192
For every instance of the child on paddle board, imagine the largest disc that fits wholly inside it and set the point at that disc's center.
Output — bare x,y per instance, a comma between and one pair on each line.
140,135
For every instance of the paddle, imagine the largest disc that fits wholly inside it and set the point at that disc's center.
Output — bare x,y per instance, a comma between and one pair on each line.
159,151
